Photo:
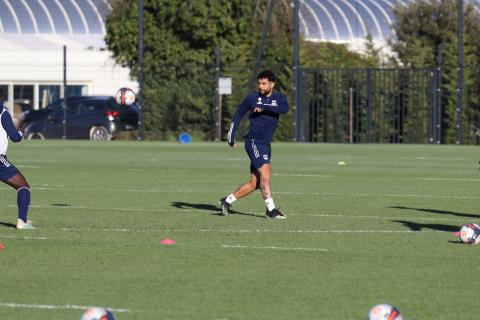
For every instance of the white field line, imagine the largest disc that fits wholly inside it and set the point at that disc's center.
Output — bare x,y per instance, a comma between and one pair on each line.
144,190
288,193
248,231
433,158
25,238
36,160
273,248
27,166
376,217
51,306
137,190
33,188
448,179
302,175
379,195
256,213
48,185
105,209
51,187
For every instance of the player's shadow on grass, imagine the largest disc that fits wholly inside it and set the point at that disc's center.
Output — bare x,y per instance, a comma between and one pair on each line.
6,224
414,226
453,213
208,207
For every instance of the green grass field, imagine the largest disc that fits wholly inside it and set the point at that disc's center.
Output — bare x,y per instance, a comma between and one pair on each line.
376,230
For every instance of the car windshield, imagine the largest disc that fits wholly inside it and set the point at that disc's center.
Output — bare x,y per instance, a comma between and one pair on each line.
112,105
55,105
58,104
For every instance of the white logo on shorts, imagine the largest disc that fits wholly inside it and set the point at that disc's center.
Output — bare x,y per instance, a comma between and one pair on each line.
265,157
5,162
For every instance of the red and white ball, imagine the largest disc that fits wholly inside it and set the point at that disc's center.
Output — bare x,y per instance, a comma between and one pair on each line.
97,313
125,96
384,312
470,233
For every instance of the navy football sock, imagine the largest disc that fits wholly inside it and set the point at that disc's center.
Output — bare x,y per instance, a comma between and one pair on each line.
23,202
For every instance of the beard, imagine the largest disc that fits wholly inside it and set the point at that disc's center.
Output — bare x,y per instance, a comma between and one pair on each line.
265,92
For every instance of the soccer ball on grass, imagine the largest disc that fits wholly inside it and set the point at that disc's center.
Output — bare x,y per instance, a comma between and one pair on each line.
470,233
97,313
384,312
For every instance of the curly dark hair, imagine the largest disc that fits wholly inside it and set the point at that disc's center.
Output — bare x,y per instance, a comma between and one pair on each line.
266,74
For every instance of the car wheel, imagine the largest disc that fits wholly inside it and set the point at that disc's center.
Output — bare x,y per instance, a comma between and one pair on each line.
35,136
99,134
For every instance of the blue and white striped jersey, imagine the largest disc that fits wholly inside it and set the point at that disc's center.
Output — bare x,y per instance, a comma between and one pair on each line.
7,130
262,124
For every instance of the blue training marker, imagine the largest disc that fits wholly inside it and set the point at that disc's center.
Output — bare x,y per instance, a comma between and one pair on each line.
184,138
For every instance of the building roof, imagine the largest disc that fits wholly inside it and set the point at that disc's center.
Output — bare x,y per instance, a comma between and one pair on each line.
46,23
350,20
81,23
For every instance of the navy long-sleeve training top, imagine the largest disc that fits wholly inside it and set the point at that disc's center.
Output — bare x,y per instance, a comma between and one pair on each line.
7,130
262,124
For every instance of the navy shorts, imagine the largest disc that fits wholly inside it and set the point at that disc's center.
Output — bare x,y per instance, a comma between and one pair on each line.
7,170
259,153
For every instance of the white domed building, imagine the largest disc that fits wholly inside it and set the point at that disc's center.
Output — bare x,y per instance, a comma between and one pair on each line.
33,34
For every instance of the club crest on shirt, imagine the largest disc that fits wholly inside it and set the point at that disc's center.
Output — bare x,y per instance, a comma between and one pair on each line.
274,103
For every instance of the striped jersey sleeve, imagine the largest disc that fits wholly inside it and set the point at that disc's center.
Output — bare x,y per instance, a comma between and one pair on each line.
237,117
9,127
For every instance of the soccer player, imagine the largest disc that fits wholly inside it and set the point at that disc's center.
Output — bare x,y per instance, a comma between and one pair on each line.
8,173
265,107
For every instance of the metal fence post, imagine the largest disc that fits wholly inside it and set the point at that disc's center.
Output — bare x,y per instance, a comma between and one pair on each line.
296,89
438,89
459,70
65,94
369,105
218,123
141,75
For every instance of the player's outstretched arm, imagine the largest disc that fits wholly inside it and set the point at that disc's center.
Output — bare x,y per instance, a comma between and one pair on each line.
237,117
231,135
7,124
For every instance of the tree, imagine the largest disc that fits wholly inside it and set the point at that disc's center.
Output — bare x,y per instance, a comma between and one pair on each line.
424,27
372,53
180,41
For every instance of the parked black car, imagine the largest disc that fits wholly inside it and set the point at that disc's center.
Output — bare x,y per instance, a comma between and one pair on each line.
33,115
89,117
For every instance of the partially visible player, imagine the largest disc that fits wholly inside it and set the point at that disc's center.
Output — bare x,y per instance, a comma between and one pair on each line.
8,173
265,107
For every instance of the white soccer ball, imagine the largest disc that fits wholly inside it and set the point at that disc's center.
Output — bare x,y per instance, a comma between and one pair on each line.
125,96
470,233
384,312
97,313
